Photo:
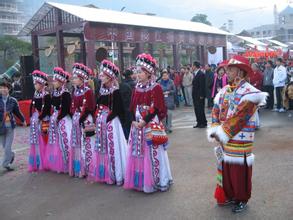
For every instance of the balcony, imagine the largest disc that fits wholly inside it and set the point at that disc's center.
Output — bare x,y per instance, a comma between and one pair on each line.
10,10
11,21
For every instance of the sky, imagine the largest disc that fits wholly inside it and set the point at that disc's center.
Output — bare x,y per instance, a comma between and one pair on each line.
245,14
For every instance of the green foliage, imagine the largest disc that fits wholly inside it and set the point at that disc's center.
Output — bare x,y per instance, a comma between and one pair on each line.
201,18
11,48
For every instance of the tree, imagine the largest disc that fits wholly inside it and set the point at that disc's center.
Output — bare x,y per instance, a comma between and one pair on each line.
11,48
201,18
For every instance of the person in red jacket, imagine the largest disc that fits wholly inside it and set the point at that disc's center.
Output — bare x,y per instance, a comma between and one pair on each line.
178,83
83,127
147,163
256,77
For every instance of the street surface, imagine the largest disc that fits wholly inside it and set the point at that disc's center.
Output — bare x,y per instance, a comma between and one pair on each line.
58,196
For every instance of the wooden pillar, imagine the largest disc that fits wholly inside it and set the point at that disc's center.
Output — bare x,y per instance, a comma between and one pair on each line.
190,56
202,55
224,53
197,53
120,56
151,49
176,57
60,40
35,50
90,54
82,49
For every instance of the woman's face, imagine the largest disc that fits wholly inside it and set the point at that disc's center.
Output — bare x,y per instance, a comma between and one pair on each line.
165,76
76,81
104,78
38,86
134,76
142,76
56,84
221,72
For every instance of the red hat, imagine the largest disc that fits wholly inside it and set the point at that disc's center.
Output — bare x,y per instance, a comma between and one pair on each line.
109,68
60,75
40,77
240,62
146,62
81,71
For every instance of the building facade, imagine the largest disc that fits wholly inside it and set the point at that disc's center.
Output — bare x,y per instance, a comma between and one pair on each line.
11,17
282,30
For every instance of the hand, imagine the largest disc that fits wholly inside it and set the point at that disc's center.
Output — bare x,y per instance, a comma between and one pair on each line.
135,124
216,137
24,124
201,97
141,124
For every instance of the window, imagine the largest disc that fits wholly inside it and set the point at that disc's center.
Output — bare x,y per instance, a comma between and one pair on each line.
283,20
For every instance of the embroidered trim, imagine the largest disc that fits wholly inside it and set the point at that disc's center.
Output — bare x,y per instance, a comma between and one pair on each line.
64,141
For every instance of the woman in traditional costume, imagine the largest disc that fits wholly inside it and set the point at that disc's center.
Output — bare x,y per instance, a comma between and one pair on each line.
60,124
108,165
83,128
39,122
147,166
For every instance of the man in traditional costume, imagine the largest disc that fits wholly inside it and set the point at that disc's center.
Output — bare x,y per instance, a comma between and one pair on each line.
233,127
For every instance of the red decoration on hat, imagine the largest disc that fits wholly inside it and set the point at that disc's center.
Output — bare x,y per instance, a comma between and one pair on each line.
146,62
109,68
82,71
60,75
223,64
40,77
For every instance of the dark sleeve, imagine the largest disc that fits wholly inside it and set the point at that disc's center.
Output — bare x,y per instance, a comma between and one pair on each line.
17,112
118,108
211,80
65,105
150,116
172,88
46,110
202,85
88,106
31,108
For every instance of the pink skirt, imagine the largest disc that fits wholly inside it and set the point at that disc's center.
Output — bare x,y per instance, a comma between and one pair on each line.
54,157
138,174
37,156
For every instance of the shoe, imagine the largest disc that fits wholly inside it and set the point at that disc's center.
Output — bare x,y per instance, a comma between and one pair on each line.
290,115
241,206
275,110
282,110
196,126
8,168
202,126
12,159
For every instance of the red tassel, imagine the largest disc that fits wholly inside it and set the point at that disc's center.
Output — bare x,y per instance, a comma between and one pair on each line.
152,110
220,195
45,138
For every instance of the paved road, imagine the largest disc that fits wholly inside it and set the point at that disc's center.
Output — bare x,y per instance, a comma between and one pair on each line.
53,196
